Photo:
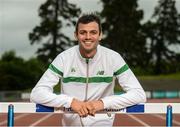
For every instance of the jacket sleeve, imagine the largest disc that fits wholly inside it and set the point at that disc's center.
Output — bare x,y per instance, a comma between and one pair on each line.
134,92
42,93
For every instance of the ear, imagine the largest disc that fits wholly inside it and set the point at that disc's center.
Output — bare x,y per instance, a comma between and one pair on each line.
100,37
75,36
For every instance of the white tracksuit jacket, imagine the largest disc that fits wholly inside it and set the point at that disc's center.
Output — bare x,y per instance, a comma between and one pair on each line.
91,79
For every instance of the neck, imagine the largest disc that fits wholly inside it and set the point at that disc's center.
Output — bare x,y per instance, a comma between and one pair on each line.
87,54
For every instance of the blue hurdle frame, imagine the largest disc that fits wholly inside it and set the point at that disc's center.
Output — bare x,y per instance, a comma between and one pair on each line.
132,109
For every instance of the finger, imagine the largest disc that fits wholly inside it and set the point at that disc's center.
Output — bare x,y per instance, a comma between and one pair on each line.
84,111
90,109
93,112
79,113
84,114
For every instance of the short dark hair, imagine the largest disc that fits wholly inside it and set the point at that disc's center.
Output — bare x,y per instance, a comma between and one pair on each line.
87,18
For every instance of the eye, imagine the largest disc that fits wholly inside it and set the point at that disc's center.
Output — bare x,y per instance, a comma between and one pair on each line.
82,32
94,32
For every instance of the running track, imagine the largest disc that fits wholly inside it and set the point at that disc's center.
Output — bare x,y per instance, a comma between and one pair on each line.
51,119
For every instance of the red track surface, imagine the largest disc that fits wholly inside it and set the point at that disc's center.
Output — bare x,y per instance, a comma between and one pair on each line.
51,119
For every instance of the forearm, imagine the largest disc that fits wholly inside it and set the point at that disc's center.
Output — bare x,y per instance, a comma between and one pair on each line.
132,97
42,93
46,97
134,93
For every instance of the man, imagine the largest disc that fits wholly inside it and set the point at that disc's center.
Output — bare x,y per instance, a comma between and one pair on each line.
86,72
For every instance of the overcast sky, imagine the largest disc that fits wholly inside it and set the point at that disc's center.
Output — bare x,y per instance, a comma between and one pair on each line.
19,17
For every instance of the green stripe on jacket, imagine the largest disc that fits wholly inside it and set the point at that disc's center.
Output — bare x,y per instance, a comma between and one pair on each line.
121,70
90,79
54,69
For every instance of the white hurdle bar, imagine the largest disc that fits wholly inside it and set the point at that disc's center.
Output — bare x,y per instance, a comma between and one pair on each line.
151,108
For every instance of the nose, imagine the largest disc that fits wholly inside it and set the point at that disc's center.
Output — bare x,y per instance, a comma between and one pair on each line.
88,36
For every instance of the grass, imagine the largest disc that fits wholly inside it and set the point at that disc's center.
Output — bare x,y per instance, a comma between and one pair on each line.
175,76
158,82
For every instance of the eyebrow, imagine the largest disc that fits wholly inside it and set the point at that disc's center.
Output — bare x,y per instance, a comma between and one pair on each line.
86,30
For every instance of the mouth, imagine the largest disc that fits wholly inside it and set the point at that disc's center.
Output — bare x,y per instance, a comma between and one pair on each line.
88,42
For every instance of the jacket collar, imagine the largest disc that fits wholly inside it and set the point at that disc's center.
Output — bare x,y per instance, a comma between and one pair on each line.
95,58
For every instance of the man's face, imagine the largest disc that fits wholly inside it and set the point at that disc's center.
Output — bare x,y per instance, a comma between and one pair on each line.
88,36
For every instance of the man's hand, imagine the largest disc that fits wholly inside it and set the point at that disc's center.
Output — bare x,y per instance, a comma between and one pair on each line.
94,106
86,108
79,107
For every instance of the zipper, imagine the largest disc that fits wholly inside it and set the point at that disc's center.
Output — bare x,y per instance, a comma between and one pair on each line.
86,90
87,78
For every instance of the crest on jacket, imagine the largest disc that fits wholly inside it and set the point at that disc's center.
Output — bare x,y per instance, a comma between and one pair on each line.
100,73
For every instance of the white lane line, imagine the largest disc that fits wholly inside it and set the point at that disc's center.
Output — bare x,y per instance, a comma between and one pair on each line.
138,120
42,119
164,118
15,118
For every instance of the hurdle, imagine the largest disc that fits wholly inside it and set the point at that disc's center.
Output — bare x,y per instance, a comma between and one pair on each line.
148,108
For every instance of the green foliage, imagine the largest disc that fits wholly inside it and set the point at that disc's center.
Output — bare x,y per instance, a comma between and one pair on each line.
162,32
117,88
18,74
144,47
123,30
55,15
173,76
142,71
57,88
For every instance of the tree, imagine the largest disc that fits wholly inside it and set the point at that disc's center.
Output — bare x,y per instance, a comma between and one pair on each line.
18,74
55,15
123,31
163,31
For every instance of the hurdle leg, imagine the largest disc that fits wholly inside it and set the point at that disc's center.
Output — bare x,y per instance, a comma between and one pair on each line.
10,122
169,116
